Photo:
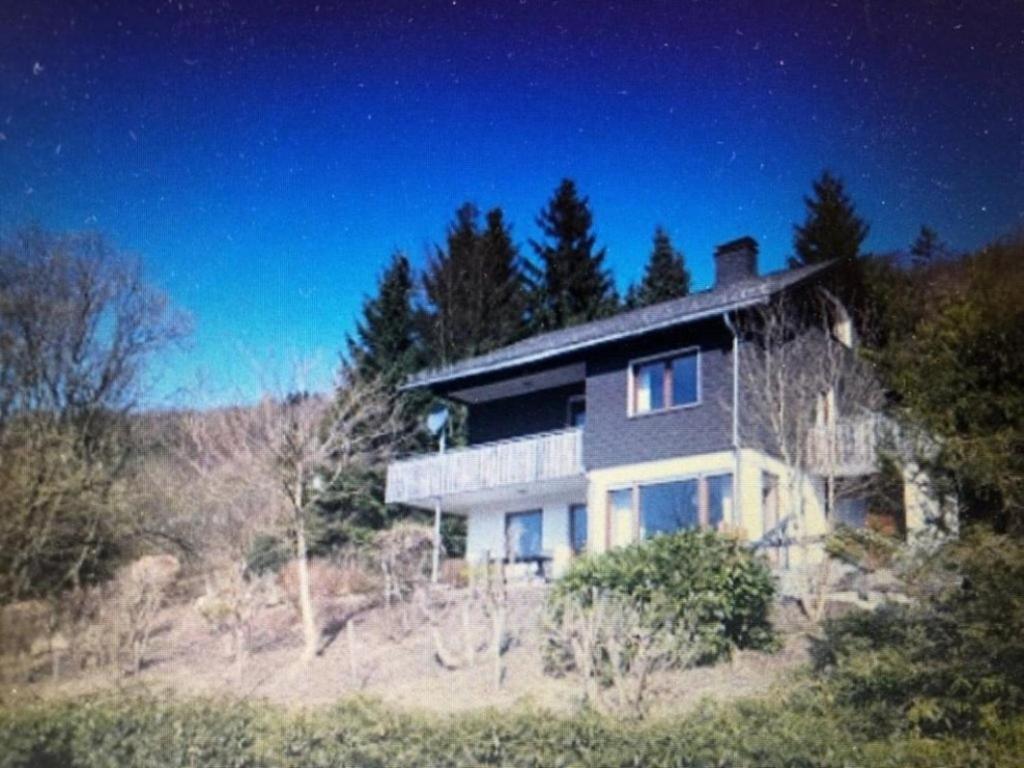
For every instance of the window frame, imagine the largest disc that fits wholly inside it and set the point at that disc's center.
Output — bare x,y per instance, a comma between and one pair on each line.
570,402
572,529
667,384
515,558
703,501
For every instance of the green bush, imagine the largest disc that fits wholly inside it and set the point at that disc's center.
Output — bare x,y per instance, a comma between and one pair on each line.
268,554
696,577
950,662
862,547
798,731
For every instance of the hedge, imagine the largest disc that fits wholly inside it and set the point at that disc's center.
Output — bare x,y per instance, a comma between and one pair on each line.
150,733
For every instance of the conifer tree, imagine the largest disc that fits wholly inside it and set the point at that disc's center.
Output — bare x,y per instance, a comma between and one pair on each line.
832,230
572,284
386,341
504,309
386,347
927,247
474,287
665,276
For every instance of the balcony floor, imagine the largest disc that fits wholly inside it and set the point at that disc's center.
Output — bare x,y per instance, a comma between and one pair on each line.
569,490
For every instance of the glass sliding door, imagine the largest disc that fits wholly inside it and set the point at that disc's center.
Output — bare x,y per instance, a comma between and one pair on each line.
524,535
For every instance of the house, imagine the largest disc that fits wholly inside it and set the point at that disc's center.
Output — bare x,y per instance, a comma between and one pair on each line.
603,433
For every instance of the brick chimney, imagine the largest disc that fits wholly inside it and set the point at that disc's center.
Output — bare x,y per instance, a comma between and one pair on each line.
735,261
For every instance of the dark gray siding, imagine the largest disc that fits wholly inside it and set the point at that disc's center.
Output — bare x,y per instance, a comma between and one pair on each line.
541,411
613,438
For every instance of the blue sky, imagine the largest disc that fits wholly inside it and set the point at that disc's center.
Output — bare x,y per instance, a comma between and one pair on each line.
265,158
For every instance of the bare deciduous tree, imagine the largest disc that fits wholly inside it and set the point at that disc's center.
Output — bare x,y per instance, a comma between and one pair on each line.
801,377
616,647
483,611
77,326
259,469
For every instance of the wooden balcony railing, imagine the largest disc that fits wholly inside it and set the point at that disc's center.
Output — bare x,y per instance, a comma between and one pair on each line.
524,460
848,448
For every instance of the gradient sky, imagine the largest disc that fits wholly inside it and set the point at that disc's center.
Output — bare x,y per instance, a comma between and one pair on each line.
265,158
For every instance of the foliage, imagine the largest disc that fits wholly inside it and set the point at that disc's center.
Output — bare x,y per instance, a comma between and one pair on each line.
665,276
950,353
267,555
617,644
573,285
386,342
77,326
952,662
833,230
146,733
475,288
927,248
862,547
697,579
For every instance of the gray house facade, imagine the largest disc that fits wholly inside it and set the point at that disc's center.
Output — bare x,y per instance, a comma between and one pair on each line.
608,432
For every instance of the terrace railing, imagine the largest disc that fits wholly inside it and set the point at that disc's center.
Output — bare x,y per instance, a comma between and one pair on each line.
520,461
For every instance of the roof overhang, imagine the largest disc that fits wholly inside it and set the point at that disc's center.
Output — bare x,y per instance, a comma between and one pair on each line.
434,378
483,366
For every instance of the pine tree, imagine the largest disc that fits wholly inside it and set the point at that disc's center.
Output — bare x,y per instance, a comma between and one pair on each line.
927,247
504,310
572,285
386,342
665,276
832,229
475,288
386,346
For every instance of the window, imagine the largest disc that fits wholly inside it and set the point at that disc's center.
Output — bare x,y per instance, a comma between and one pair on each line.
577,411
669,507
705,501
620,517
578,528
670,382
719,500
523,535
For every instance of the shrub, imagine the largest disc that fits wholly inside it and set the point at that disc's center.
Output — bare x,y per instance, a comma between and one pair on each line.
268,554
799,731
862,547
692,578
951,662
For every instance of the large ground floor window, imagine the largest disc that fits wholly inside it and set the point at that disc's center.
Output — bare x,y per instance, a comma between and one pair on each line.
649,509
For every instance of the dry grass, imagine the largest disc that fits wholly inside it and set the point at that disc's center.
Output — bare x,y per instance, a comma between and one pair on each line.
389,655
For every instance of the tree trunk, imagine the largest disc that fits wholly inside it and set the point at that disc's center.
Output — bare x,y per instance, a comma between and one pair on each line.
309,630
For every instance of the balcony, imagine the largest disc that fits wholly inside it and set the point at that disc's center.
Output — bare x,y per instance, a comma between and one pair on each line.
532,464
848,448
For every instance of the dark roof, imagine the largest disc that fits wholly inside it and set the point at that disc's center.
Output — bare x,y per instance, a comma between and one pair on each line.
627,324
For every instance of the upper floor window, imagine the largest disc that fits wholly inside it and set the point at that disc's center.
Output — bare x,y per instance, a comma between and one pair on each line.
665,382
577,411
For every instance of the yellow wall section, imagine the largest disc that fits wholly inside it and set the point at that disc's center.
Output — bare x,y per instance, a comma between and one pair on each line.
600,482
746,492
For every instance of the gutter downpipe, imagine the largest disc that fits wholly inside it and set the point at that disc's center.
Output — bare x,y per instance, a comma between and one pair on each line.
737,486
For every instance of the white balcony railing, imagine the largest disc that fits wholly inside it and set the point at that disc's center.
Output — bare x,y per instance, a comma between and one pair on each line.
524,460
848,448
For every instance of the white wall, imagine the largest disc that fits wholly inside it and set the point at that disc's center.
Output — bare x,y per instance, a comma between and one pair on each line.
486,531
